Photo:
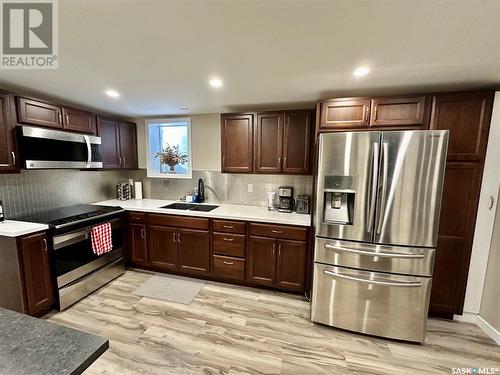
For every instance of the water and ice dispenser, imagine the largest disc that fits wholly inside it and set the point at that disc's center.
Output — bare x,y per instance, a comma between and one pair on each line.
339,196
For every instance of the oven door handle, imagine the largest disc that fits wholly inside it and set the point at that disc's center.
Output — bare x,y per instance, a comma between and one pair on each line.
67,239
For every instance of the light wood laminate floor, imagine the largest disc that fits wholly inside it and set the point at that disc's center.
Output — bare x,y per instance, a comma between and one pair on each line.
235,330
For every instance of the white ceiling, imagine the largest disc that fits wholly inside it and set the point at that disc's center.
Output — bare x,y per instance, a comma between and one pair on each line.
160,54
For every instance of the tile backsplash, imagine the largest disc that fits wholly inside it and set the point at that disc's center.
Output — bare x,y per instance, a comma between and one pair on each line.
227,188
33,191
39,190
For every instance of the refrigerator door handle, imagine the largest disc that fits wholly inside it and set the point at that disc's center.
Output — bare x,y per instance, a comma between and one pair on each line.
383,196
373,197
374,254
410,284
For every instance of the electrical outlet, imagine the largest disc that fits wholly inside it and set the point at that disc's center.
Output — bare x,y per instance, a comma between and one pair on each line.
166,183
250,188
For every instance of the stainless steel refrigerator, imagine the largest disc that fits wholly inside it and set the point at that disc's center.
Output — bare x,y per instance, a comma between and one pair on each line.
377,210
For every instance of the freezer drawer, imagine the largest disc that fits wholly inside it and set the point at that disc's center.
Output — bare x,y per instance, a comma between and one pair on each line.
393,259
392,306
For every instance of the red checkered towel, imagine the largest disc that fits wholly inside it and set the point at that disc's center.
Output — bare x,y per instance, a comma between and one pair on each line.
101,239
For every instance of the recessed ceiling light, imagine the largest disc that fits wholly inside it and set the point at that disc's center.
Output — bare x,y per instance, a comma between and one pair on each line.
183,108
215,82
361,71
112,93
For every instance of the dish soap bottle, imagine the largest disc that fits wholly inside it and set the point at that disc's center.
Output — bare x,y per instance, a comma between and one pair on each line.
1,212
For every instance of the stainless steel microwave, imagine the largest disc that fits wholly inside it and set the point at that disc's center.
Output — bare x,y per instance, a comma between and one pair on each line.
53,149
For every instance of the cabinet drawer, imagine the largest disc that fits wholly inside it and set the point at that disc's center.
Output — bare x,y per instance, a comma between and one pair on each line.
229,268
136,217
178,221
227,226
279,231
229,244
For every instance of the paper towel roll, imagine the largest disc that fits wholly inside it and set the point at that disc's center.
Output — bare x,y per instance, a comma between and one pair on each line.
138,189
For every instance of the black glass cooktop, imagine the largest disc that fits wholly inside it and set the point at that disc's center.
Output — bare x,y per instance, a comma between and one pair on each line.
72,214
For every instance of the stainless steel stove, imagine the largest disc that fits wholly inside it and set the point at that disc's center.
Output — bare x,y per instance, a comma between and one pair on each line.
78,271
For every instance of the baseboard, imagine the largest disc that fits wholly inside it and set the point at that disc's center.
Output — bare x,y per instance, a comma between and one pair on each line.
466,317
488,329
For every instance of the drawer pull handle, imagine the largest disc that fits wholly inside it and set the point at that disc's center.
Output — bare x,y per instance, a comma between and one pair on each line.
228,239
229,226
229,263
373,253
409,284
277,231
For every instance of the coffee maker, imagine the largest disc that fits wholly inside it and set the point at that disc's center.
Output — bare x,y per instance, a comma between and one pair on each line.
286,202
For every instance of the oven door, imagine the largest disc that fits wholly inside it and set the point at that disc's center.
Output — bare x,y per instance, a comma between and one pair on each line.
73,255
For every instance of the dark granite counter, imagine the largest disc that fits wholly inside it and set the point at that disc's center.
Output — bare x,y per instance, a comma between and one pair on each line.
35,346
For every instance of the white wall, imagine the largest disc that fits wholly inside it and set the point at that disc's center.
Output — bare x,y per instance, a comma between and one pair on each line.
485,216
205,140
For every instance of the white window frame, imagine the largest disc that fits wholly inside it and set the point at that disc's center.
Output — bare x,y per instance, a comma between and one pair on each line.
151,174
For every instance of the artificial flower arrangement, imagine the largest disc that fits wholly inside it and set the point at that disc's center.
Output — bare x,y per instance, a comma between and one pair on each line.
171,156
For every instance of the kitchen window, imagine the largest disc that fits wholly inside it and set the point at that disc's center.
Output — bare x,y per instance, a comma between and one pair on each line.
169,148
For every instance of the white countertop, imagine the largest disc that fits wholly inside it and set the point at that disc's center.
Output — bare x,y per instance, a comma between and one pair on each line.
224,211
13,228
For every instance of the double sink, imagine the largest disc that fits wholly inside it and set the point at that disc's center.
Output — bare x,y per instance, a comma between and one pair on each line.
191,207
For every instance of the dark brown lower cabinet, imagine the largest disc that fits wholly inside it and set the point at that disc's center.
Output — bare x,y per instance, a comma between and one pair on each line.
136,246
456,231
163,249
270,255
276,262
261,260
194,251
36,270
173,249
291,264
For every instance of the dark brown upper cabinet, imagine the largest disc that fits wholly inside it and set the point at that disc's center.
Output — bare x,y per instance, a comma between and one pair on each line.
410,111
108,130
280,140
8,156
268,144
297,142
128,144
344,113
237,143
34,112
39,113
119,143
78,120
467,116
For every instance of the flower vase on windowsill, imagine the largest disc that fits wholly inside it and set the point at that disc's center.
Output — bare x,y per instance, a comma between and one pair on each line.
172,157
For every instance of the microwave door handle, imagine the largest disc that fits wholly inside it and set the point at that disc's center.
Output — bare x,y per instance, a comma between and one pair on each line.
89,150
373,196
383,196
